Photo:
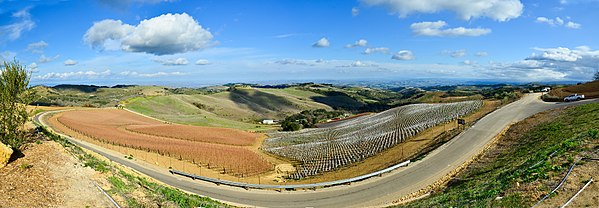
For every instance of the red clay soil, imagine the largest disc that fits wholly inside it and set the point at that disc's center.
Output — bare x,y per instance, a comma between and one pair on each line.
198,133
110,126
589,90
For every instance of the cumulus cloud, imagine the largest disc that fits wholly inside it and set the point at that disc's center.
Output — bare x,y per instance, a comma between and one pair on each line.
162,35
573,25
500,10
376,50
22,24
74,75
322,43
202,62
481,53
355,11
150,75
437,29
44,59
558,22
403,55
70,62
173,62
551,64
358,43
557,54
37,47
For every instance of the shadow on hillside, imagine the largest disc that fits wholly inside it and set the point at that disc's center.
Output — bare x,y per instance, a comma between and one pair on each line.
338,101
258,101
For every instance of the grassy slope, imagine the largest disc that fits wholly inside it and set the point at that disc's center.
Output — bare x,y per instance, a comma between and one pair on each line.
240,109
510,165
97,97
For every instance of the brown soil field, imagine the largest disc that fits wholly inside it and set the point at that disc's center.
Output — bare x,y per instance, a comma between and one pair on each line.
589,90
198,133
109,126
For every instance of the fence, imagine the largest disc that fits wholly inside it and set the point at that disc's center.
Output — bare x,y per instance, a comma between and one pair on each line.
296,186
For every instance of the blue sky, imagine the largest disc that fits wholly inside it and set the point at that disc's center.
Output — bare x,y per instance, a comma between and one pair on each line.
210,42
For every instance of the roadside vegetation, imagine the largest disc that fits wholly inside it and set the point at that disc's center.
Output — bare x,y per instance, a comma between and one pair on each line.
526,163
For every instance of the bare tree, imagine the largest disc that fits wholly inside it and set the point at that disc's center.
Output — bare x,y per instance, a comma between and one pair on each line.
15,94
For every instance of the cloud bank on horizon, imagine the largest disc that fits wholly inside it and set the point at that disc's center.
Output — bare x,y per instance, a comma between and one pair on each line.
170,40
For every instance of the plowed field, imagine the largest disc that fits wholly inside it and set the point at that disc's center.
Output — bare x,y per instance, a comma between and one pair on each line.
214,147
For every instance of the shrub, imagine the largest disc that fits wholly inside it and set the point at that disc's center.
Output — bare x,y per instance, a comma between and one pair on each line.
14,97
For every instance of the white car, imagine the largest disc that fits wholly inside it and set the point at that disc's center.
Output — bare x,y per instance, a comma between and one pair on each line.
573,97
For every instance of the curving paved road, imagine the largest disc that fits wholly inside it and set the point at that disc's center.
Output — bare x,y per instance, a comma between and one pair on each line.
372,192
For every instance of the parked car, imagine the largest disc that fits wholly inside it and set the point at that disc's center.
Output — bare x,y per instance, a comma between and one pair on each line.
573,97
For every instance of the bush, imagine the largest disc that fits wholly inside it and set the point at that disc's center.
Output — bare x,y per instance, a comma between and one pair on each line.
14,97
550,98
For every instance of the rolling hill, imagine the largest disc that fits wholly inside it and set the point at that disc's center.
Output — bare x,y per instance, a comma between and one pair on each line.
241,108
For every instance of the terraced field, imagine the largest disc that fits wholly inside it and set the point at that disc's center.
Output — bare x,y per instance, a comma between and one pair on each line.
212,147
324,149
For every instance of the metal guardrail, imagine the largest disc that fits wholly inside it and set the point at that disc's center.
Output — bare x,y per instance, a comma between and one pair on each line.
296,186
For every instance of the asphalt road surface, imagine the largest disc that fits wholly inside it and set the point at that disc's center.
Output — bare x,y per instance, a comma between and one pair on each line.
378,191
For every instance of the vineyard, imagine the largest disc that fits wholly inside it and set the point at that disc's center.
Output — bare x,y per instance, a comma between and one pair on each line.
324,149
212,147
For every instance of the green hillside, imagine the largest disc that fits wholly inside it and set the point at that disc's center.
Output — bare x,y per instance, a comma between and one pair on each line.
91,95
242,108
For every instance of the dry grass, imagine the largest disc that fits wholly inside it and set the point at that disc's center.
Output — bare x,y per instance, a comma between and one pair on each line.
589,90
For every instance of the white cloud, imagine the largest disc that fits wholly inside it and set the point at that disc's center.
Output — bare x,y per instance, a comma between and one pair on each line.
173,62
70,62
202,62
73,75
573,25
469,62
150,75
360,64
558,22
556,54
481,53
368,51
403,55
355,11
358,43
291,62
436,29
322,43
33,66
456,53
162,35
44,59
107,31
23,24
501,10
37,47
552,64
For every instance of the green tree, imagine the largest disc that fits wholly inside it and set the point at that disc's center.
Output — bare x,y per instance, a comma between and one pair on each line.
596,77
15,94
